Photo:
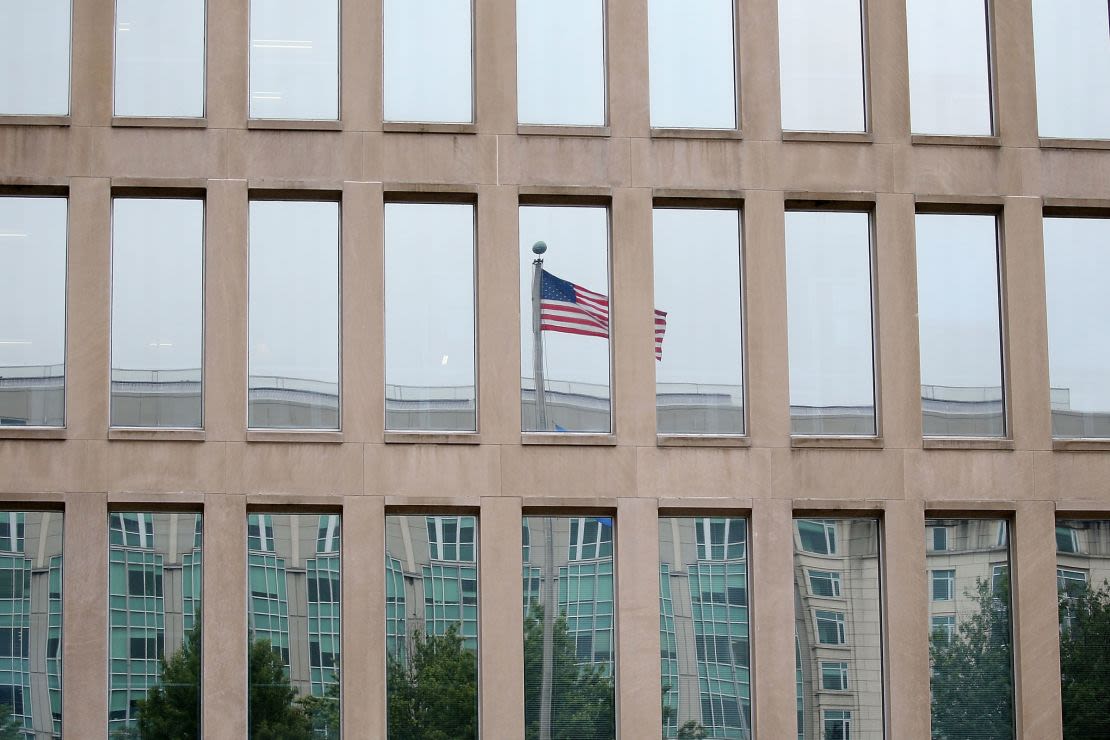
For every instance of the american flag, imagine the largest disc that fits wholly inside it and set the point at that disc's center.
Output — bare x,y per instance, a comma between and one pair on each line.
571,309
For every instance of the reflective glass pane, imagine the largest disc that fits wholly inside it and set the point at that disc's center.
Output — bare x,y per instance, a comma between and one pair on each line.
294,59
154,594
838,634
699,376
564,319
293,617
560,56
950,83
159,58
828,280
431,604
958,314
157,312
569,638
970,643
703,628
34,54
821,65
428,62
294,315
691,64
429,317
1072,48
1083,584
1077,271
33,304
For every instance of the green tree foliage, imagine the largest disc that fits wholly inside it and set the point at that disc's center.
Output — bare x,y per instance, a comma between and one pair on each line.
274,714
972,680
582,696
1085,662
171,710
434,694
9,726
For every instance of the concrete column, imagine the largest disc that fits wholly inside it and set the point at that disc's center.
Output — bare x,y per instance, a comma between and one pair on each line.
639,709
760,101
774,693
627,49
1015,87
888,69
906,600
501,600
224,627
85,616
363,322
92,32
228,47
495,66
363,654
360,95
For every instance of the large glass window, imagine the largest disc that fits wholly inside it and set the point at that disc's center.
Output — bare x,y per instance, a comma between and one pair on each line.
959,324
832,371
560,52
159,58
821,66
429,61
34,54
432,627
1077,271
699,376
157,312
703,627
31,622
429,317
950,79
1072,50
154,586
294,315
33,307
293,615
294,59
569,630
971,644
564,319
837,627
692,64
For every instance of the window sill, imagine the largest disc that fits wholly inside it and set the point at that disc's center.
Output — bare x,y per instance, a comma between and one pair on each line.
151,122
1074,143
10,120
841,137
158,435
967,443
696,133
702,440
837,443
294,435
15,432
1081,445
942,140
568,438
415,127
433,438
528,129
293,125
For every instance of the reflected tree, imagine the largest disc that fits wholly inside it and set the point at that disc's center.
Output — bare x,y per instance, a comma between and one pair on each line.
171,710
434,694
1085,662
10,727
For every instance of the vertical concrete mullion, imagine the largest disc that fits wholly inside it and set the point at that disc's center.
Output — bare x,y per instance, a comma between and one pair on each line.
907,620
774,693
758,40
85,615
224,632
1036,622
888,71
227,64
639,711
1015,86
363,640
92,34
363,321
627,62
501,623
495,66
360,65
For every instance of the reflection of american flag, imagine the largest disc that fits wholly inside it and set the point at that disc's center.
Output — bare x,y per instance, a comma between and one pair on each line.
571,309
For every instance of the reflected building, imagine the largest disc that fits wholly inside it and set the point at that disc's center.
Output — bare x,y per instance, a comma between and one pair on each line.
32,395
960,555
699,408
1082,557
154,398
292,403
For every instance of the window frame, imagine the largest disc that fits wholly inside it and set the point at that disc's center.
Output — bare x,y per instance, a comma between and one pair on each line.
839,620
841,669
945,576
844,720
834,579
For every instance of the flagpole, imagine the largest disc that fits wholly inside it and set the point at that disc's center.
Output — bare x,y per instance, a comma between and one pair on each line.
537,340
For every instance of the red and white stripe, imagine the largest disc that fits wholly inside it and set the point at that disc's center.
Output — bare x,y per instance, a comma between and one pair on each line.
588,317
660,330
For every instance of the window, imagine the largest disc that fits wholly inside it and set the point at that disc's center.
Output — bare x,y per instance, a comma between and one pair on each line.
33,304
34,54
428,61
1067,540
1072,53
429,317
942,628
293,315
451,538
590,538
950,79
830,627
1077,269
699,375
1000,578
721,539
834,675
817,536
1070,582
828,293
260,533
960,328
157,312
564,328
824,583
560,52
159,58
838,724
821,65
939,538
294,59
692,64
944,583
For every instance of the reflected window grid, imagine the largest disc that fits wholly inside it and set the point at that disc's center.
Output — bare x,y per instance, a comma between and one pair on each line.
421,38
160,59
